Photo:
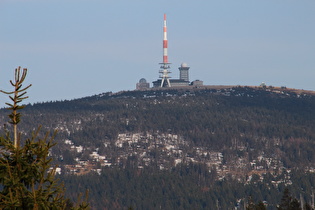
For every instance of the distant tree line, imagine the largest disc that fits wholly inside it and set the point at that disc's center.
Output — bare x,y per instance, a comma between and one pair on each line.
188,187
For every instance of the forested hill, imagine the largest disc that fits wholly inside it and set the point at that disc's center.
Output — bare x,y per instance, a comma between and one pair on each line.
225,132
214,118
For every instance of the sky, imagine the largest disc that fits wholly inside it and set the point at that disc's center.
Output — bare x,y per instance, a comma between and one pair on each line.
79,48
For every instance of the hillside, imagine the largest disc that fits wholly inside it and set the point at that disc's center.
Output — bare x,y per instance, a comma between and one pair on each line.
221,134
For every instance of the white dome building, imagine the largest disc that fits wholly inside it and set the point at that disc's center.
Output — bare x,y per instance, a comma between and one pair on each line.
142,84
184,72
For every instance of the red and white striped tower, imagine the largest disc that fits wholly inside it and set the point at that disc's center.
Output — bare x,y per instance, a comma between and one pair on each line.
164,70
165,43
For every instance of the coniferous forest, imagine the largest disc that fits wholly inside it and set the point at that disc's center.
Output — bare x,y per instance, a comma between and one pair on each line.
198,148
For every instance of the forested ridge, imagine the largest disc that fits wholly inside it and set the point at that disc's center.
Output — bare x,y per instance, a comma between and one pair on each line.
184,187
234,140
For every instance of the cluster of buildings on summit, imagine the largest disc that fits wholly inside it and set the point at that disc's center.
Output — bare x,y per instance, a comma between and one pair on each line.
165,80
181,82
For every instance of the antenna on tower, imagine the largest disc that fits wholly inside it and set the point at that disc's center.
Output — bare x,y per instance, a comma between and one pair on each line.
165,66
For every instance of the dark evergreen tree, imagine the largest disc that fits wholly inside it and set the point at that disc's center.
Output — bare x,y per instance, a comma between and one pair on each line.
27,178
287,202
252,206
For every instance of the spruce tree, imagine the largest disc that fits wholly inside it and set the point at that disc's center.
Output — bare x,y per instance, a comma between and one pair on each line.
27,178
287,202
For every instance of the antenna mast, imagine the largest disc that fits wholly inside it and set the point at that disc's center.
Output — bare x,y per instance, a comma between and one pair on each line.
165,66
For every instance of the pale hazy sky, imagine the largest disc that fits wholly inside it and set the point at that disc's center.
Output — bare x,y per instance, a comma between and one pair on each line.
78,48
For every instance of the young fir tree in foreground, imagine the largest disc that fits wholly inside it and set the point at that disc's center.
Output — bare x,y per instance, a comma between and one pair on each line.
27,180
